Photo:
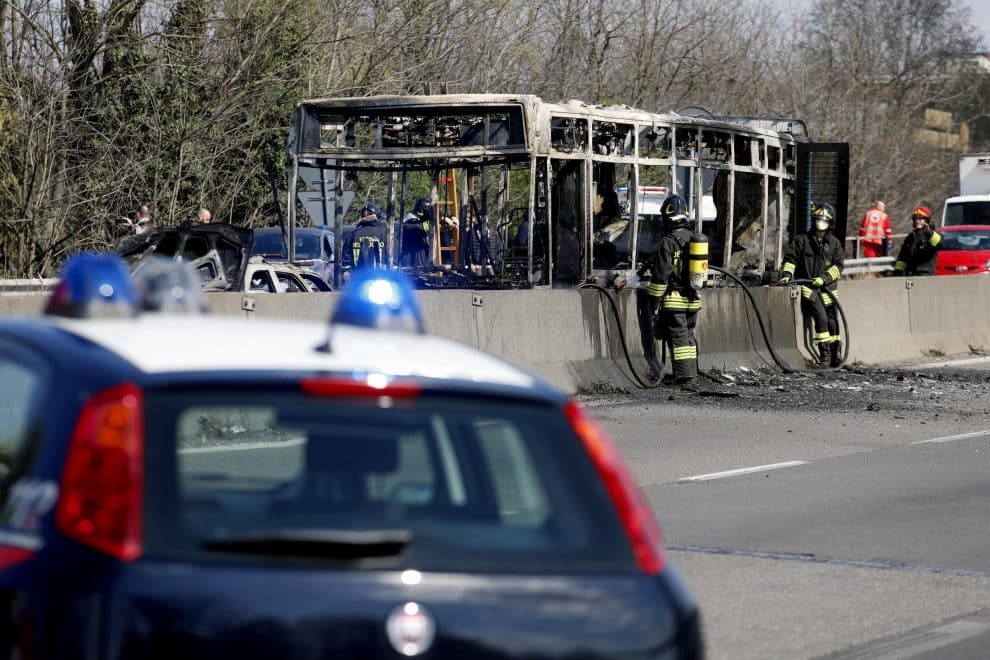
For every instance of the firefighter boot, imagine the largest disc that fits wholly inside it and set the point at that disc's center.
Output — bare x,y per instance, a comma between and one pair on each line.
836,357
824,355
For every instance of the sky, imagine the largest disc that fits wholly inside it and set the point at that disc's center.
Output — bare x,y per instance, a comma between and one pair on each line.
979,10
981,17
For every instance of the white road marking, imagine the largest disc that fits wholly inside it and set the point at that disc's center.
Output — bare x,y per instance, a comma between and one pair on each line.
746,470
924,641
950,438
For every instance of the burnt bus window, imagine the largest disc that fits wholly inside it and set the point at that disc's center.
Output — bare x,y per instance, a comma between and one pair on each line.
773,158
687,145
654,142
612,139
744,154
715,147
568,134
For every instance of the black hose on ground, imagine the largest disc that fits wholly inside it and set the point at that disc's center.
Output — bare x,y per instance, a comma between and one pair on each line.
649,383
784,366
644,383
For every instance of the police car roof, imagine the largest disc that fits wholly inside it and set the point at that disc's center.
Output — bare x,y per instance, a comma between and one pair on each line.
219,344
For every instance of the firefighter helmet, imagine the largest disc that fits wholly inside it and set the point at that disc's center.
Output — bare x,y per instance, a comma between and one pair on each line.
423,209
372,209
922,212
673,212
823,215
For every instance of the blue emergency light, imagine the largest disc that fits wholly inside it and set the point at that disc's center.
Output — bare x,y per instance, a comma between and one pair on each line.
381,300
93,285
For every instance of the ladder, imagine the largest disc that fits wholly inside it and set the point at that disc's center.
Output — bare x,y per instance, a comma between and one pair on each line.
446,206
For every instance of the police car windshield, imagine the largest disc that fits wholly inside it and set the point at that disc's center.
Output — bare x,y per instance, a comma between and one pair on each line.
467,484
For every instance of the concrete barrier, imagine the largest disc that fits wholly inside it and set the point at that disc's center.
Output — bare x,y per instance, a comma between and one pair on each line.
571,337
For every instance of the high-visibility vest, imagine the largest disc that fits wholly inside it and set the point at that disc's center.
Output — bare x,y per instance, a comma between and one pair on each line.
875,227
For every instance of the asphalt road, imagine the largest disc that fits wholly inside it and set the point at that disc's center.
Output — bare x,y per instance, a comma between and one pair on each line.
824,515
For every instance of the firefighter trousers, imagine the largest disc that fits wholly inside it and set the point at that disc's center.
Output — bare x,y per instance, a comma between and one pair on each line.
678,330
825,317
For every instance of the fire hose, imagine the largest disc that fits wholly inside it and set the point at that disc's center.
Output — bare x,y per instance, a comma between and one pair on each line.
649,383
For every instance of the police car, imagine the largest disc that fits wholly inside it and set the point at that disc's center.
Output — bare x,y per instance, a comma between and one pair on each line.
174,487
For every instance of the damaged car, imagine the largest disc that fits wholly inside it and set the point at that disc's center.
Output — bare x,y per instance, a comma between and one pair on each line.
221,256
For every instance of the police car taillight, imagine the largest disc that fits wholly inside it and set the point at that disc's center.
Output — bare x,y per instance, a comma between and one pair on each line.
372,385
633,509
103,478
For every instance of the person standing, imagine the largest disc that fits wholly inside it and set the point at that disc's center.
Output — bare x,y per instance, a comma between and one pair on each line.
369,240
875,232
674,303
416,235
920,248
817,257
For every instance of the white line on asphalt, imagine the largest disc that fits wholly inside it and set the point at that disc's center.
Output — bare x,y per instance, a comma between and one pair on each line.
950,438
746,470
921,642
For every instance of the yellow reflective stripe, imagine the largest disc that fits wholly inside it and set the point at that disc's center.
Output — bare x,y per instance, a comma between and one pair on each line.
656,290
697,247
900,265
685,352
789,267
834,272
827,299
935,239
677,301
805,291
681,305
821,337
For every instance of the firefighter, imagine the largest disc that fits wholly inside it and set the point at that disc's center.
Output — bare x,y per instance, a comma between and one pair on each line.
920,247
818,256
369,240
674,303
416,234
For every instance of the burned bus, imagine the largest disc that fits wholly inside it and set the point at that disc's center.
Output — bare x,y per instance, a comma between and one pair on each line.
527,193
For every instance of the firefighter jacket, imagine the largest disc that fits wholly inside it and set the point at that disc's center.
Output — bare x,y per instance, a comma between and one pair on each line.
918,253
669,281
369,244
415,240
808,257
875,227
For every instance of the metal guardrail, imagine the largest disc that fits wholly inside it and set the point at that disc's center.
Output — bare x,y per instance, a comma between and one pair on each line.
864,265
34,286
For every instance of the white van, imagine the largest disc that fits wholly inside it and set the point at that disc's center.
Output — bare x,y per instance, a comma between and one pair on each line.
651,198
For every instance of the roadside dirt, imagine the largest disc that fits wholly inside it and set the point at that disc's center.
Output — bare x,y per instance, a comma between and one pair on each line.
897,393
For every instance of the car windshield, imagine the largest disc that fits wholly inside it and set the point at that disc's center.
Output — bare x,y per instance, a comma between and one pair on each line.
434,483
308,246
975,239
271,244
268,243
967,213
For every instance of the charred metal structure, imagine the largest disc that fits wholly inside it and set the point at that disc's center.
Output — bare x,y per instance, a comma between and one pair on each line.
534,194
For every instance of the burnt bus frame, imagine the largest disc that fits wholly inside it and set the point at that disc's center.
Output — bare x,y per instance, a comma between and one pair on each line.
773,153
